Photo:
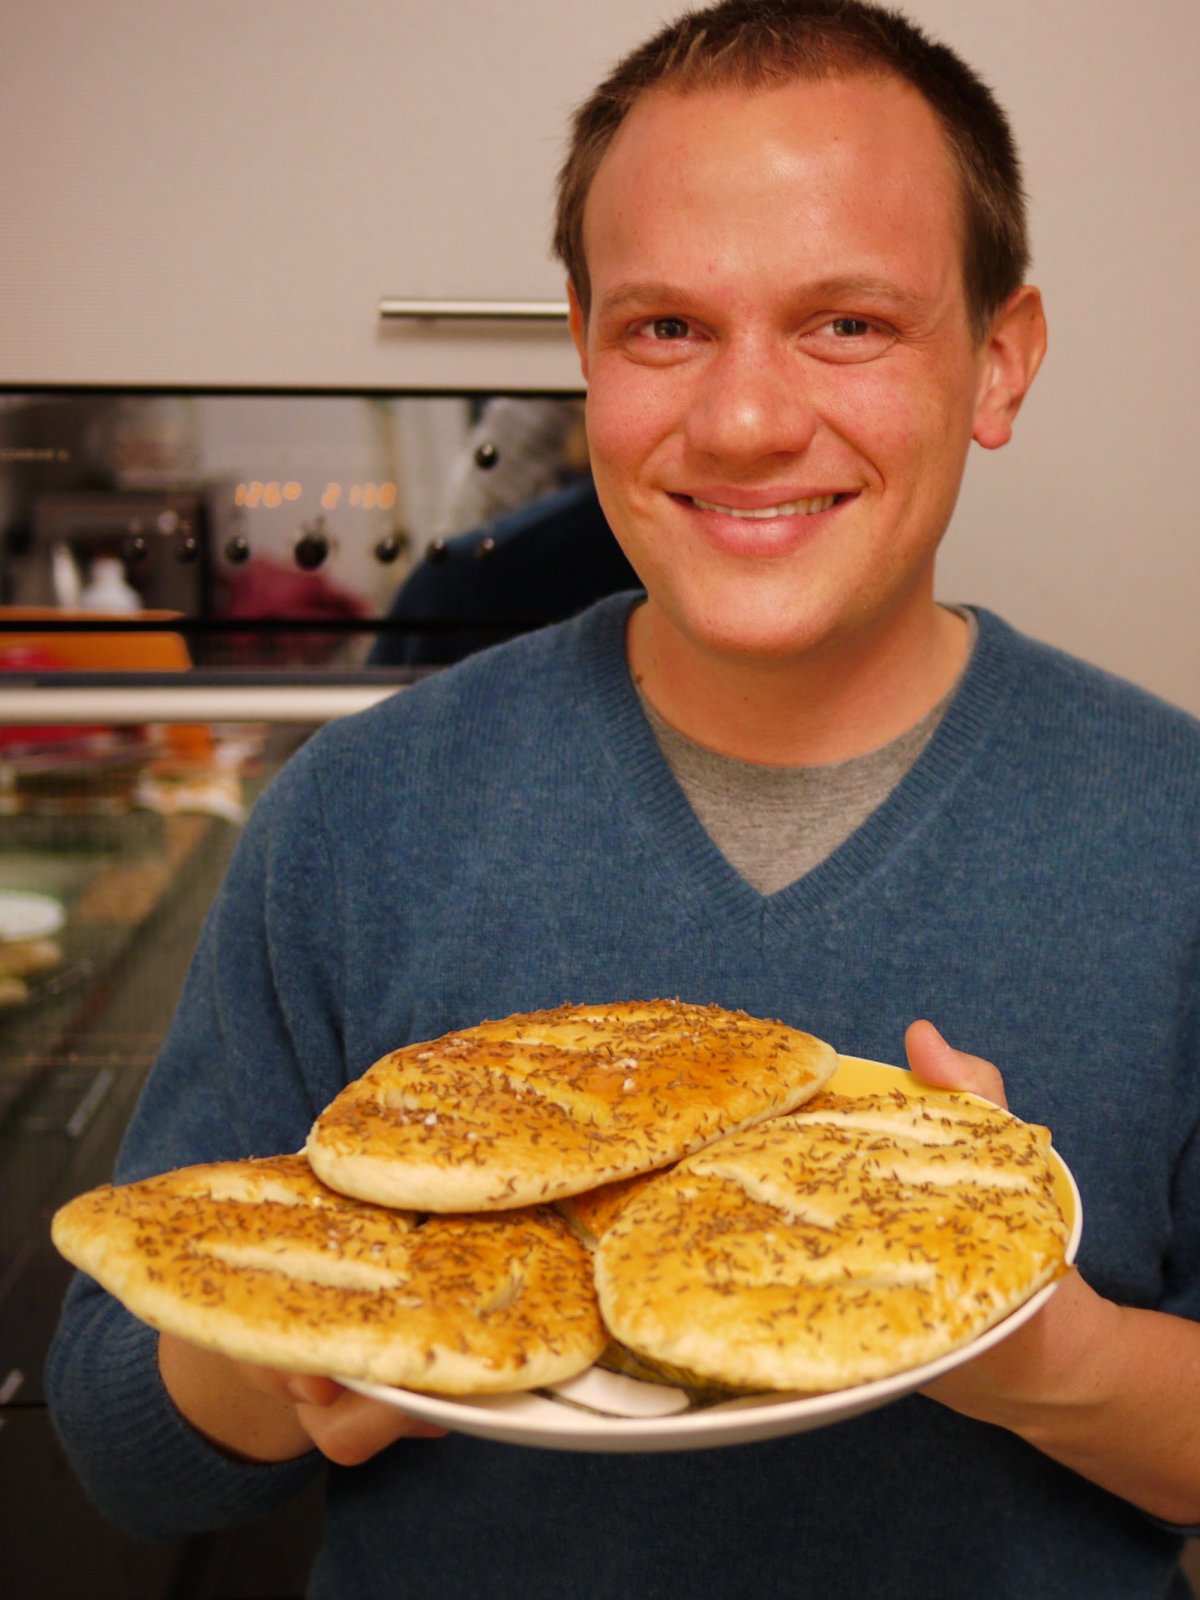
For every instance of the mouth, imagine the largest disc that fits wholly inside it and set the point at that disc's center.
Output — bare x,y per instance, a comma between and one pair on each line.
785,508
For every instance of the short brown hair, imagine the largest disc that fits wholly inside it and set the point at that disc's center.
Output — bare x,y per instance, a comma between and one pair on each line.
754,44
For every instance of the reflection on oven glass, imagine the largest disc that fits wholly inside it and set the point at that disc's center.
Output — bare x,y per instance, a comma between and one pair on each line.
304,530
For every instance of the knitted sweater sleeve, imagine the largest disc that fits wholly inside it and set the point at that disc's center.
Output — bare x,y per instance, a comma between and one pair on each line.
1182,1265
253,1054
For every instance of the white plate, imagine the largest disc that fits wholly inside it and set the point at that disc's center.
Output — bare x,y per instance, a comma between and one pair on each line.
605,1411
29,916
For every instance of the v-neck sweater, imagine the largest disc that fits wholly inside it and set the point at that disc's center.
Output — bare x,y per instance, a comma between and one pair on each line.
507,836
776,823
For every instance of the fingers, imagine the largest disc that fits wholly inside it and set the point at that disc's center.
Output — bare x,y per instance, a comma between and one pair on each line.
304,1389
346,1427
290,1387
936,1062
353,1427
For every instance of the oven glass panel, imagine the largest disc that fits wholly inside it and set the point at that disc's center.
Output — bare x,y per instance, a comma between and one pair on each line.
282,529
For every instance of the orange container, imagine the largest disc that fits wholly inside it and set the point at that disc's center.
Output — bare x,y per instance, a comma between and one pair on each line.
111,652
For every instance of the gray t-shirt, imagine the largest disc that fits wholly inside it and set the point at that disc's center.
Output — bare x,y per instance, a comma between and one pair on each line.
774,824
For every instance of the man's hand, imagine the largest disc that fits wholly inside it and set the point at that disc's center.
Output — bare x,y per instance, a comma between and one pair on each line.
981,1387
260,1414
935,1062
1110,1391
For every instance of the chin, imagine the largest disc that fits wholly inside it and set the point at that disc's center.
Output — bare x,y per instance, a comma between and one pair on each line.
777,644
765,628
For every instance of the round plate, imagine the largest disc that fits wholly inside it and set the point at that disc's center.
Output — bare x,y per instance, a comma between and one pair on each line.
606,1411
29,916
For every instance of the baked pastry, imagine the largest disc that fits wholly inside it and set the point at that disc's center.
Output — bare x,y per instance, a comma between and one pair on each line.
259,1260
550,1103
856,1238
590,1216
593,1213
25,958
13,992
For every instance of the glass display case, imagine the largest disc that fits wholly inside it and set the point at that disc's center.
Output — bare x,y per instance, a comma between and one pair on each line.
102,893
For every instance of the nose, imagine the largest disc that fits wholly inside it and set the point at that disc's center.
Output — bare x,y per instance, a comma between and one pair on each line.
751,403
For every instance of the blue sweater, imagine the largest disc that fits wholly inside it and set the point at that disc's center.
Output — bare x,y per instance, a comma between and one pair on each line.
506,836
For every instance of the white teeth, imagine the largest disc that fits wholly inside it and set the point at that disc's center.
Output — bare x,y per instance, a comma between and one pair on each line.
790,508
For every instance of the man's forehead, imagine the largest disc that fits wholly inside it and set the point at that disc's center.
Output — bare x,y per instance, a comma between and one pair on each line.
735,153
875,98
729,147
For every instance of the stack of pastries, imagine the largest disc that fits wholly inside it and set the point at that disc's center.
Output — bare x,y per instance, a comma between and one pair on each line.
499,1208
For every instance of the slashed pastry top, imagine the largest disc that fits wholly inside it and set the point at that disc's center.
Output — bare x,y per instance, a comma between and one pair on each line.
548,1103
259,1260
856,1238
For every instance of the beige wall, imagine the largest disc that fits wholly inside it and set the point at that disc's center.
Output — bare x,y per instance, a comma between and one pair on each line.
1086,528
219,193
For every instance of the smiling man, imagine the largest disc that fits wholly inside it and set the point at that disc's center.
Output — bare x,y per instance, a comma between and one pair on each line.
785,374
782,778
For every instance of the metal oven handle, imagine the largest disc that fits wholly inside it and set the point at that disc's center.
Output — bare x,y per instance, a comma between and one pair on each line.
393,307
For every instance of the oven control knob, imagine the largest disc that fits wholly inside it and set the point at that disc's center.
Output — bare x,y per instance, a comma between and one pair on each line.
312,547
389,547
485,549
486,456
136,548
237,550
187,546
436,550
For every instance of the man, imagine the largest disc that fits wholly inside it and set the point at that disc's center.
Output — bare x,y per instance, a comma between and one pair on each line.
795,243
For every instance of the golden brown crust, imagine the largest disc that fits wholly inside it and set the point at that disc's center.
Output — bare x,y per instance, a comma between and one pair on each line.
856,1238
544,1104
593,1213
260,1261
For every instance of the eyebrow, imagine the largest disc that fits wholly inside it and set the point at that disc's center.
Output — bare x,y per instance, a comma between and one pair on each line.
637,294
835,290
854,286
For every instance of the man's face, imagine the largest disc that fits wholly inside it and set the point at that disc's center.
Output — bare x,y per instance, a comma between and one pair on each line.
782,381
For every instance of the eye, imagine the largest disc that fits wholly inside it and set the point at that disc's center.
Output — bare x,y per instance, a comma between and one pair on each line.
662,340
849,338
668,328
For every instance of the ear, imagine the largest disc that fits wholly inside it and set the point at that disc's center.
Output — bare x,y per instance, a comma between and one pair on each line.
577,323
1012,353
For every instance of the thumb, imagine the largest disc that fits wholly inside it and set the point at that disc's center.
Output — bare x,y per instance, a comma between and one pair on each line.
938,1063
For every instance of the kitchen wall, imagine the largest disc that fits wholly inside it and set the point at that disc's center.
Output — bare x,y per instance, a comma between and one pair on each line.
220,194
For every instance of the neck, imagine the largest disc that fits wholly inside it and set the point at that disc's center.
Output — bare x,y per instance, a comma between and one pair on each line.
831,704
